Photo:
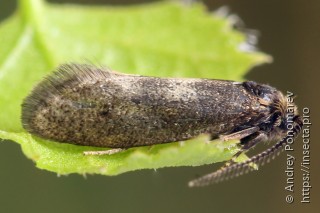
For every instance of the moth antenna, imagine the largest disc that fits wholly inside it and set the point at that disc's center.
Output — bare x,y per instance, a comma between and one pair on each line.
237,169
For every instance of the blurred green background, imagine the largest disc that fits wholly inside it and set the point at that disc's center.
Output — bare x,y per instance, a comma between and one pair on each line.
290,32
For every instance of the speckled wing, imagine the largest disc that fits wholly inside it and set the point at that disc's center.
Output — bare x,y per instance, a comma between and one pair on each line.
87,105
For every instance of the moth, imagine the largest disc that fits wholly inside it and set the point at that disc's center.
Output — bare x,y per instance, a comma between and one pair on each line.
87,105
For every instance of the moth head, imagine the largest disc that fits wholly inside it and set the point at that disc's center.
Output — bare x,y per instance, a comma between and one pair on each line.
280,111
283,115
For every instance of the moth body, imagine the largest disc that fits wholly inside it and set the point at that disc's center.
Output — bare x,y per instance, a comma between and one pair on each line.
91,106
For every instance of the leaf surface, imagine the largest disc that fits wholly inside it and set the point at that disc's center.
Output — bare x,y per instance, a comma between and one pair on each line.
157,39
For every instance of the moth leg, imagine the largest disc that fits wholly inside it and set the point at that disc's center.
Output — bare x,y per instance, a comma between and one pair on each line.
150,147
104,152
240,134
247,144
231,167
251,142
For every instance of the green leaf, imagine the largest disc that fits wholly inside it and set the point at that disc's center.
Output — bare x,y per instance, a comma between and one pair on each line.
157,39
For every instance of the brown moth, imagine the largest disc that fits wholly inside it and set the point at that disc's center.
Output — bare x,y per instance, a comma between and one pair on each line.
91,106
